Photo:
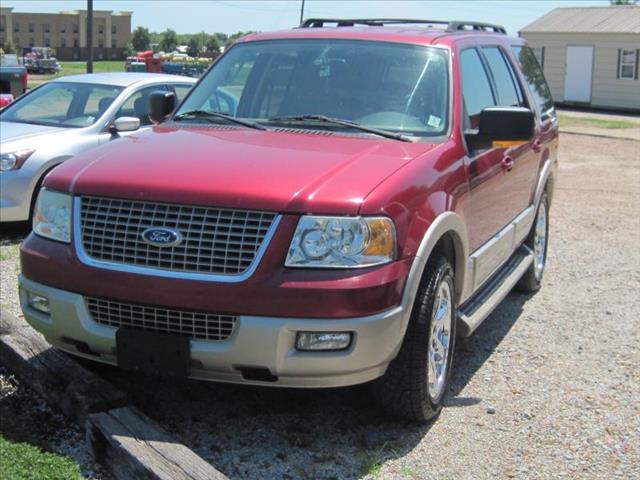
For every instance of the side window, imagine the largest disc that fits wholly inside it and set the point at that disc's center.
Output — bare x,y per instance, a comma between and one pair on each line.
476,89
506,86
181,91
99,99
535,79
137,105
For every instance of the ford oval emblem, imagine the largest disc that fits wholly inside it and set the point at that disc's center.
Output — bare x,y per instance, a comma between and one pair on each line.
162,237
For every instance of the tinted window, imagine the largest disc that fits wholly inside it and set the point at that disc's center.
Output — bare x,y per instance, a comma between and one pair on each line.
396,87
535,78
476,89
504,81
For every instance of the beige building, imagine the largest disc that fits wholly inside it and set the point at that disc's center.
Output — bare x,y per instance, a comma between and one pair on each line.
66,32
590,55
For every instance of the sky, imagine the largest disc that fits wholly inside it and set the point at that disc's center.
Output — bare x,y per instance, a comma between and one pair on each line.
229,16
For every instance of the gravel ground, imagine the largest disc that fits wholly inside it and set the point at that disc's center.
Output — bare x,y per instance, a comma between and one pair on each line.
548,386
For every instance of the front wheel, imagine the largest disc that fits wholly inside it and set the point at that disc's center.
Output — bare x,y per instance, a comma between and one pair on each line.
415,384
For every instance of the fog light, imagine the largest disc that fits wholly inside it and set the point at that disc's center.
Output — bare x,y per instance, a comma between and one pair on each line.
39,302
313,341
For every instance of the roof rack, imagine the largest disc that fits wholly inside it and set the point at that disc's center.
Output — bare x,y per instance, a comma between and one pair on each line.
451,26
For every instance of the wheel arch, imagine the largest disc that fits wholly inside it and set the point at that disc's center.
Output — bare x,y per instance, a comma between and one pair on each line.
446,235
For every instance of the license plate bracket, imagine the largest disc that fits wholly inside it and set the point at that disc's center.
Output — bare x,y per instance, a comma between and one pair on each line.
153,352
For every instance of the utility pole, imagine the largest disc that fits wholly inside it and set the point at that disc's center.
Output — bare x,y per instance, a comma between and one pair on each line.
302,12
90,35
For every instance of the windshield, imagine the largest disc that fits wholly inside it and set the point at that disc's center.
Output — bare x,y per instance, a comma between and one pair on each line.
396,87
62,104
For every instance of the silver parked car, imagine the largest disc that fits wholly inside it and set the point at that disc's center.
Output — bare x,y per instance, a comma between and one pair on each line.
69,115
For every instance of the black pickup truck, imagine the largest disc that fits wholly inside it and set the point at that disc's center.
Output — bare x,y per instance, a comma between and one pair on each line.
13,76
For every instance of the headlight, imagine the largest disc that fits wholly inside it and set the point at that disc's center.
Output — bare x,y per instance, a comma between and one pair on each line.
52,215
14,160
342,242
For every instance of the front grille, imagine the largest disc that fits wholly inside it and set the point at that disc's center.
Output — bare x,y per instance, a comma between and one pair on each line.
215,241
205,326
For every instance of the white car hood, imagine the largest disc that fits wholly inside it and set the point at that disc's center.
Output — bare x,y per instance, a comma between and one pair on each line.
13,132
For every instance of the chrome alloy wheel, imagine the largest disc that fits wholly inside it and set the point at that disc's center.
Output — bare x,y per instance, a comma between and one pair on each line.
439,341
540,241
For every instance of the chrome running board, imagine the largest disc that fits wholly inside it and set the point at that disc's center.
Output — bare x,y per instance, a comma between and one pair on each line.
479,306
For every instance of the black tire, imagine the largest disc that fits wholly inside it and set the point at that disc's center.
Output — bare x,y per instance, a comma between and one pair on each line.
530,282
403,391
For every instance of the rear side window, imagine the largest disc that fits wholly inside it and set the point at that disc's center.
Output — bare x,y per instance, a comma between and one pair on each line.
476,89
508,93
535,78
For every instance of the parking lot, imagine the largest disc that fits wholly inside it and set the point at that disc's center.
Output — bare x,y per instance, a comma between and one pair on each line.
548,386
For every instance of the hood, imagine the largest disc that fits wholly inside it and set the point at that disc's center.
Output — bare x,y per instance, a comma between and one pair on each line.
238,168
14,133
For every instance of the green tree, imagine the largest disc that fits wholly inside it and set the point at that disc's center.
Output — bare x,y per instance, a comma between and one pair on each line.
141,39
169,41
9,47
212,44
195,48
128,50
623,2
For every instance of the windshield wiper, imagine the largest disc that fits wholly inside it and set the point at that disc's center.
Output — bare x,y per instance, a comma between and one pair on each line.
211,115
344,123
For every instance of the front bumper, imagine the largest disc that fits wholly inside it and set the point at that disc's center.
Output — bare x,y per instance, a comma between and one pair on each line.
257,342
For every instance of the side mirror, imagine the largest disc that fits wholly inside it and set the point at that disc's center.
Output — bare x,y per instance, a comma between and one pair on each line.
505,125
161,104
126,124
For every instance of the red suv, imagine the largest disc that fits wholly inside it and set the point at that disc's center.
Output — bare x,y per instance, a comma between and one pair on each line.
330,205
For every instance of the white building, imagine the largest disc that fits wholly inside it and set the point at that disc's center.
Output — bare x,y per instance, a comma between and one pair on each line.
590,55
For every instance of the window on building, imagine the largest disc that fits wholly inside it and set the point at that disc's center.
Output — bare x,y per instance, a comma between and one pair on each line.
75,43
63,28
100,43
476,89
32,28
113,43
1,27
47,42
100,29
31,42
46,28
509,94
113,29
63,42
16,27
628,63
75,29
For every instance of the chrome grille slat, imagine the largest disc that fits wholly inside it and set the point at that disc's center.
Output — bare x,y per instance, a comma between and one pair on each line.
198,325
215,241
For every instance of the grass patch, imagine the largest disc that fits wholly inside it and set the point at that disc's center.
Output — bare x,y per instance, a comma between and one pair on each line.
77,68
570,121
9,252
24,461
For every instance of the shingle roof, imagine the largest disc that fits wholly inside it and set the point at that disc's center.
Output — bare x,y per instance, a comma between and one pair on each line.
612,19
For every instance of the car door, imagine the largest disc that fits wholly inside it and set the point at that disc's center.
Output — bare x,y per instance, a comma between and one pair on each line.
523,157
491,208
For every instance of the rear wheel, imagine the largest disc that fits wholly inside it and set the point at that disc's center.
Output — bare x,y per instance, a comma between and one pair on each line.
415,384
537,241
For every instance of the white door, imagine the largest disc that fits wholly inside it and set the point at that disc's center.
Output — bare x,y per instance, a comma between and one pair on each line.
579,69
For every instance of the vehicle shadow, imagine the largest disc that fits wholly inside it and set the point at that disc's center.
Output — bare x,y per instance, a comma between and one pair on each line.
301,433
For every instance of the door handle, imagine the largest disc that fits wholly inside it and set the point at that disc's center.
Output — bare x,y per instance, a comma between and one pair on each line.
507,163
537,145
